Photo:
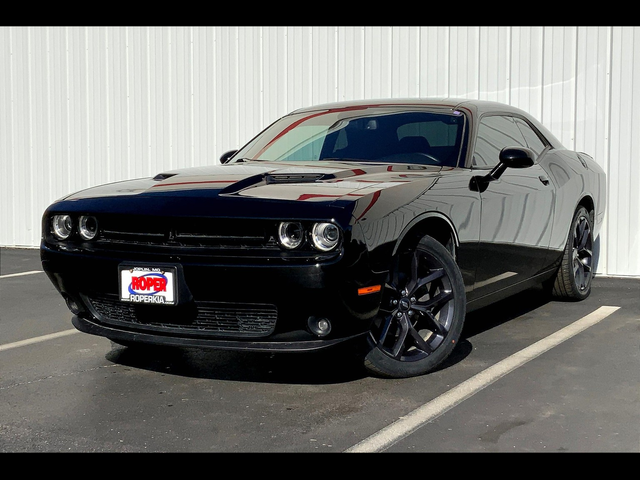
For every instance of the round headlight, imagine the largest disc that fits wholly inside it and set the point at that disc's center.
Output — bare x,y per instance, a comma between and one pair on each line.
325,236
88,227
61,226
290,234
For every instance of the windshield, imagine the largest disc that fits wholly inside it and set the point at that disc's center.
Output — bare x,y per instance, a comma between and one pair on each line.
371,134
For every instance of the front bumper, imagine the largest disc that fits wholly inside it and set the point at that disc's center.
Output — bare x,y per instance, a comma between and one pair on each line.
126,336
239,306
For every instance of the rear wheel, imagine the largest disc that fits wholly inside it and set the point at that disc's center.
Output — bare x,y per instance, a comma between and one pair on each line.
421,314
573,280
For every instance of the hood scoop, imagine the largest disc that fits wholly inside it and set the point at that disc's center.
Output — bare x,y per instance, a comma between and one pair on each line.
163,176
274,179
271,178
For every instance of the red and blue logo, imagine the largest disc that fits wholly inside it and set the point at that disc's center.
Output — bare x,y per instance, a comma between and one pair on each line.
148,284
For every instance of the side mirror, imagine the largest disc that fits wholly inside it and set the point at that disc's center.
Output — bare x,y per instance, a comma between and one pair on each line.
517,157
224,158
510,157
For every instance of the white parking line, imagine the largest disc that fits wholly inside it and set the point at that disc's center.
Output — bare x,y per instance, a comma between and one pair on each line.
429,411
20,274
29,341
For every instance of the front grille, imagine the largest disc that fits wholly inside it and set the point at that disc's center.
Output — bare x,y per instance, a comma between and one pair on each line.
198,318
185,232
226,318
114,310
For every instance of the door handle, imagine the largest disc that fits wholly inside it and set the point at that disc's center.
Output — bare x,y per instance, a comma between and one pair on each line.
544,179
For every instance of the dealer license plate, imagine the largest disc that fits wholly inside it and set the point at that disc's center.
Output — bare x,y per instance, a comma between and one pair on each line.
150,285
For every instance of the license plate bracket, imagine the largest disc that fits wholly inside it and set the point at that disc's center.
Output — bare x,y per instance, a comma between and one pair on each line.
148,284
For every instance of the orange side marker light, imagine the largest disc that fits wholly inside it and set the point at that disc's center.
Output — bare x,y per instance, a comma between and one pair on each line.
368,290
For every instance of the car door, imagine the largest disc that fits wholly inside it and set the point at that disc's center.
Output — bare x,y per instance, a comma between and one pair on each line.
517,208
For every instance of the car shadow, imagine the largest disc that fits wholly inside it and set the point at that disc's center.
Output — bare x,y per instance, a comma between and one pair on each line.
492,316
503,311
337,365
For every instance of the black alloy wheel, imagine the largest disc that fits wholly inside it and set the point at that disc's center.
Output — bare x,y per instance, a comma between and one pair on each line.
573,280
421,314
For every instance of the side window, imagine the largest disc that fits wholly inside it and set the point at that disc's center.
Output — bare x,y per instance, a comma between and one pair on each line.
494,133
534,142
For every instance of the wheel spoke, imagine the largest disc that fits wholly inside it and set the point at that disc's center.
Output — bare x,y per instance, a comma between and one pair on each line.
584,236
419,342
580,274
434,304
413,279
395,268
385,329
434,275
403,330
585,253
432,323
579,233
408,336
576,268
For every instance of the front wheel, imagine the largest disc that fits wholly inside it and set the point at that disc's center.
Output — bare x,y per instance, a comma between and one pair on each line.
421,314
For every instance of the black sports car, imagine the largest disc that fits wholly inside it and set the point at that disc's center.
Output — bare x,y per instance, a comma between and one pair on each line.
385,221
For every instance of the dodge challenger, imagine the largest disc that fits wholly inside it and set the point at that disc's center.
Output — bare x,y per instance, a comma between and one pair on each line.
378,222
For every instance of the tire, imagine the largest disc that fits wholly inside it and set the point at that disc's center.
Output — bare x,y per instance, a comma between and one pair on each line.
421,314
573,279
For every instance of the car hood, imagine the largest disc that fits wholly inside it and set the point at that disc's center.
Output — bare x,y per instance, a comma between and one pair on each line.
344,191
299,181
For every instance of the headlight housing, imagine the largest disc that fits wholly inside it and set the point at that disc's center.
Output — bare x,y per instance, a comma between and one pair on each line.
61,226
325,236
64,226
322,236
88,227
290,234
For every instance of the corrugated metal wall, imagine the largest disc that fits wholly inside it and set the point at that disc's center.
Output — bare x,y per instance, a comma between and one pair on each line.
83,106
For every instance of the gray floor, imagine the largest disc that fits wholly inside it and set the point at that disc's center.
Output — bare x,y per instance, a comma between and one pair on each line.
76,392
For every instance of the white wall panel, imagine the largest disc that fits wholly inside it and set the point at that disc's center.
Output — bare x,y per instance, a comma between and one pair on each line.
494,64
377,62
558,79
434,62
526,69
623,220
464,68
80,106
323,66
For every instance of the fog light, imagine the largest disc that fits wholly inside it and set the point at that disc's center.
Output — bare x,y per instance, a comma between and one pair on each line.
74,306
319,326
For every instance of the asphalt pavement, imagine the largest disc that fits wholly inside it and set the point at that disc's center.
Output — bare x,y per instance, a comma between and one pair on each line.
530,375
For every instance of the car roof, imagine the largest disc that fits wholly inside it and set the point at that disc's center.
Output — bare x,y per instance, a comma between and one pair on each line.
478,106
